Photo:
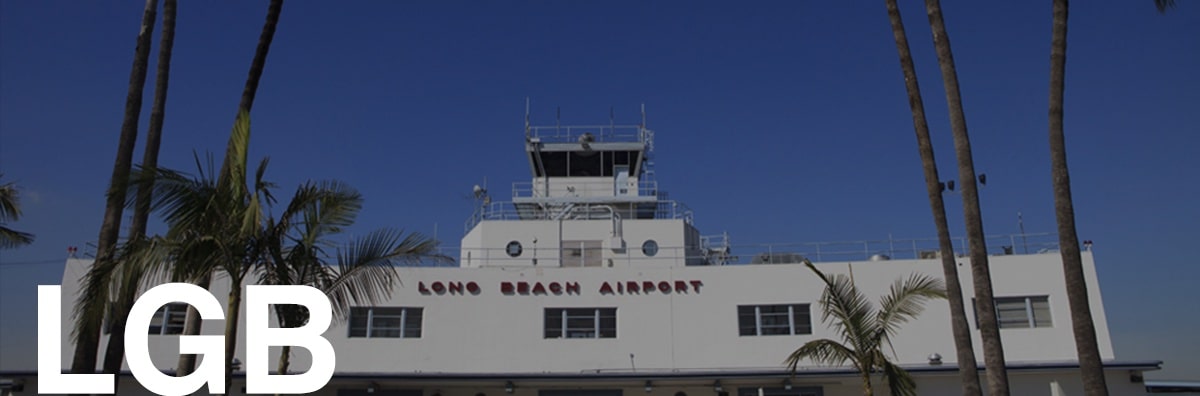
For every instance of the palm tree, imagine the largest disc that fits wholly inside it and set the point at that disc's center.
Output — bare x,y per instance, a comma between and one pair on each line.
364,270
216,222
115,351
1164,5
967,369
187,363
10,210
865,332
87,334
989,329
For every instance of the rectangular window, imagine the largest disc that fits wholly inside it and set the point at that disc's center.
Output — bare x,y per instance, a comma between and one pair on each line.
581,323
779,319
169,319
1020,312
582,253
385,322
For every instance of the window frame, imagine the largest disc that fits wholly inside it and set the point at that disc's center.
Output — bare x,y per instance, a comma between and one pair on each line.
1032,319
566,315
163,316
793,314
369,330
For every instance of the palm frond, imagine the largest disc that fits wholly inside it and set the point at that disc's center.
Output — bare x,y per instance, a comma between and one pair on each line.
10,238
1164,5
822,351
899,382
10,206
905,300
846,309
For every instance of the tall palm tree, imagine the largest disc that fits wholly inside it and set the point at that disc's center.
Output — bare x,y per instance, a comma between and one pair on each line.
360,272
115,352
87,334
10,210
217,222
1164,5
967,369
865,333
989,329
187,363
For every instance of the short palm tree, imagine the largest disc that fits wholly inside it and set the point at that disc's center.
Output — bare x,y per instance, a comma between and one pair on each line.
10,210
360,272
866,333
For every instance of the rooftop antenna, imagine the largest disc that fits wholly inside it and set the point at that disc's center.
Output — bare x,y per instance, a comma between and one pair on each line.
1024,238
557,120
643,115
612,123
527,117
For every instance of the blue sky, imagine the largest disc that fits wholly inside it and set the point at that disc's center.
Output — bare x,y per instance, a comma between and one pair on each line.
776,121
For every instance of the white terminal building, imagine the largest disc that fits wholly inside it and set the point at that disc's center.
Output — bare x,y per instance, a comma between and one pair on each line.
591,281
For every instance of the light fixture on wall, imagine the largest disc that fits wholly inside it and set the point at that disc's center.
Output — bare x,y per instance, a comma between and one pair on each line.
787,384
717,386
371,387
649,387
508,387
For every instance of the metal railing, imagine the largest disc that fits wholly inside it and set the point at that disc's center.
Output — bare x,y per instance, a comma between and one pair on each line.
596,133
508,211
716,251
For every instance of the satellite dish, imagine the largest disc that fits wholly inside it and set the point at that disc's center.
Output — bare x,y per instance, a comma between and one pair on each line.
983,179
479,192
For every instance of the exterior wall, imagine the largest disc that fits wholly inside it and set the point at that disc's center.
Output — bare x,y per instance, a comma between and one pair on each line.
582,187
484,245
694,328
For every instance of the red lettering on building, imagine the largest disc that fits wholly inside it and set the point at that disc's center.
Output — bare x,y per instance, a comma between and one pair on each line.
473,288
555,288
605,288
631,286
438,287
506,287
664,287
421,288
680,286
573,287
538,288
647,286
522,287
696,285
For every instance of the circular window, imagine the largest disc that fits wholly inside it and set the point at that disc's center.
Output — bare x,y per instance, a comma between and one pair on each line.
513,249
650,248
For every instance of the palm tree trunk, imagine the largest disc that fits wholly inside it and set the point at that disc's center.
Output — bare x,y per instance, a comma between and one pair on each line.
191,326
1064,210
284,360
87,341
967,369
115,352
187,363
256,68
231,324
868,390
993,350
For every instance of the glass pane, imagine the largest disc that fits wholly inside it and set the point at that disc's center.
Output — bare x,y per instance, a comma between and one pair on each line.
803,319
747,325
1011,313
358,317
553,325
388,311
380,322
385,333
412,323
1041,312
358,331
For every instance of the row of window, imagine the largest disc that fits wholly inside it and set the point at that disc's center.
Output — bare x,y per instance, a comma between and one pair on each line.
753,320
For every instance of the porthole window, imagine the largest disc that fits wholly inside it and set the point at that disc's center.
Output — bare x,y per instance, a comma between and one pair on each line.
650,248
513,249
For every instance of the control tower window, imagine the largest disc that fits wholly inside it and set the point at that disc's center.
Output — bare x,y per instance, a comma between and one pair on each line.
650,248
513,249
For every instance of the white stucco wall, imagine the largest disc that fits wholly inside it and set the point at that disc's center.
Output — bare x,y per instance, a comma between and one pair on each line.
492,332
